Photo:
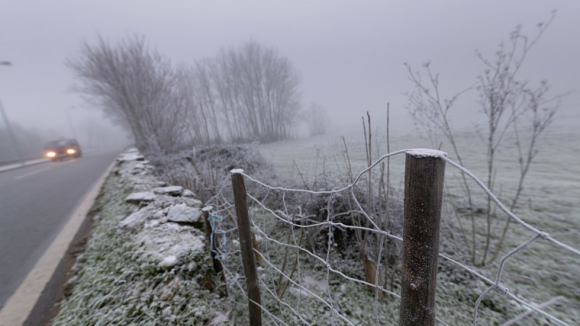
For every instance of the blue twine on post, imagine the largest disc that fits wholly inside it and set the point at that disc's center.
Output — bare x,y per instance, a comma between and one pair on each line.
214,221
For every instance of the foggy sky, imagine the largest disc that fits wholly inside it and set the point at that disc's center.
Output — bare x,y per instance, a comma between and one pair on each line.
350,53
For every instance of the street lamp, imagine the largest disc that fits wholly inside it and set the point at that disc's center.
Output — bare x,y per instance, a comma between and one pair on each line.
7,122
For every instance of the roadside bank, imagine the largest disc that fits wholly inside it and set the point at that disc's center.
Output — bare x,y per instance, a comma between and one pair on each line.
145,262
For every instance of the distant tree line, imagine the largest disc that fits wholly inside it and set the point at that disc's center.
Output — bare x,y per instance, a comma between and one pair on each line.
244,93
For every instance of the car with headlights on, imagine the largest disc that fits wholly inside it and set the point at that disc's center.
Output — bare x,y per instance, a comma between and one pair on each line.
64,148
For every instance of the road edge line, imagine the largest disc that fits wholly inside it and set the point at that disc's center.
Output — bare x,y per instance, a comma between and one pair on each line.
23,166
18,307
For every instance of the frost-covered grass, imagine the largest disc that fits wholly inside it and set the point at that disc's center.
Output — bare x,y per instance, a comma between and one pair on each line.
537,274
316,294
118,281
313,295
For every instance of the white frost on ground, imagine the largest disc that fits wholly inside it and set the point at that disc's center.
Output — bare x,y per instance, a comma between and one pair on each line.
163,220
220,319
169,261
157,242
138,197
138,218
313,284
173,245
169,191
182,213
188,193
130,155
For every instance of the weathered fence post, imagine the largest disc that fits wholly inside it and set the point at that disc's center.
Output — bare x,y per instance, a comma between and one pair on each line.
246,247
424,174
213,245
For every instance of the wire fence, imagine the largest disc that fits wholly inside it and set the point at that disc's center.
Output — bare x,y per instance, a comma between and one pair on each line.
311,264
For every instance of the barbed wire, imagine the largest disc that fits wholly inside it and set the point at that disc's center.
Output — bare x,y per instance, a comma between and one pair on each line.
224,206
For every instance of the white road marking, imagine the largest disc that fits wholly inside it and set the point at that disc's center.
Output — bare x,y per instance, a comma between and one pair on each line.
32,173
26,164
20,304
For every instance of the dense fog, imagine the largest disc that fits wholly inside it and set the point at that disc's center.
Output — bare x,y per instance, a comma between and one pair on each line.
345,59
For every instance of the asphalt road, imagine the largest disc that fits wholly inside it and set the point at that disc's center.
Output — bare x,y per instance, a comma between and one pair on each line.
35,204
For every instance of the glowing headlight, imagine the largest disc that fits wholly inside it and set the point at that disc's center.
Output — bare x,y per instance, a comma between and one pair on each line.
70,151
50,154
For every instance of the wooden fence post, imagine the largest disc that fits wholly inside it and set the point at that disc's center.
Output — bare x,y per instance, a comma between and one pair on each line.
246,247
424,174
212,242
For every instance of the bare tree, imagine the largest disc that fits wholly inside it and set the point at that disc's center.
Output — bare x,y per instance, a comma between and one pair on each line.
245,93
508,105
137,88
256,91
197,130
203,92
